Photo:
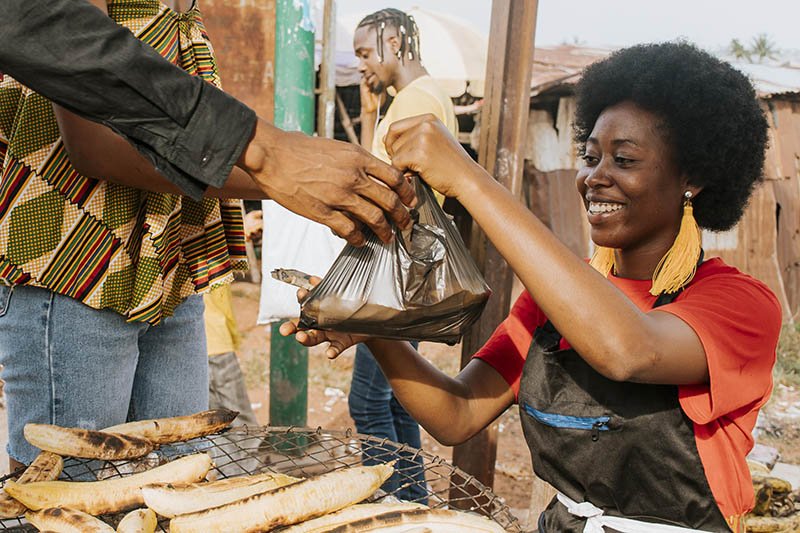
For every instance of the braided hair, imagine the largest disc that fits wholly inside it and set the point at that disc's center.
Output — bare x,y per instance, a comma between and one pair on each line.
406,27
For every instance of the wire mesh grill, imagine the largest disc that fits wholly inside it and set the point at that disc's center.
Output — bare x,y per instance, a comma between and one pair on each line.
304,452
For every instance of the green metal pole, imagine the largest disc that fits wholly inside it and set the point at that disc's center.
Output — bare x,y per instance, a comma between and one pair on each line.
294,111
288,380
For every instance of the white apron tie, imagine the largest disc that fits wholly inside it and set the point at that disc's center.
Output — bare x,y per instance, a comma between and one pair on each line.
596,521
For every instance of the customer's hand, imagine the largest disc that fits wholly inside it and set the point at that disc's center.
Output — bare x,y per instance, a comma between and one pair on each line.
423,145
335,183
339,342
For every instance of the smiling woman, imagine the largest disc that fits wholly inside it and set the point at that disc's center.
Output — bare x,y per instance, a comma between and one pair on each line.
637,401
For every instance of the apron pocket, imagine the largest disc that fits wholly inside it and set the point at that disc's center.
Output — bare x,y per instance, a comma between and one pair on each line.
595,424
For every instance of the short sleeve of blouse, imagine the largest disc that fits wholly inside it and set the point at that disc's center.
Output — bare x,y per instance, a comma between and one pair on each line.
738,320
507,348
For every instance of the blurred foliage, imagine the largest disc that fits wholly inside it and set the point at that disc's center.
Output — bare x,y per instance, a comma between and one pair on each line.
787,366
761,48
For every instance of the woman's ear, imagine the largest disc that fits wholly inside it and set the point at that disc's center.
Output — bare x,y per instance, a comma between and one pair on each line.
690,187
694,189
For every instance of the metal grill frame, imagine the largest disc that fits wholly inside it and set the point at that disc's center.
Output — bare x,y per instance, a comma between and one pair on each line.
303,452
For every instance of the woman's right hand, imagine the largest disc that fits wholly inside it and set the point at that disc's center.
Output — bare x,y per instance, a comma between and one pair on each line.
422,144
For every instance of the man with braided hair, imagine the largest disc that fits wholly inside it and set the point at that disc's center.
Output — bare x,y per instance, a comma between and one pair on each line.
387,46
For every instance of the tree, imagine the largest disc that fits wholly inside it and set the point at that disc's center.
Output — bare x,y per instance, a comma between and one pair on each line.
739,51
762,47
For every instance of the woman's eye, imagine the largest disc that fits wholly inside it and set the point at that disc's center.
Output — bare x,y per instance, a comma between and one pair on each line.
623,160
589,159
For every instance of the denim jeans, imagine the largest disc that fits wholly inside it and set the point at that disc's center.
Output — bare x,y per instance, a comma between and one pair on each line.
72,365
376,411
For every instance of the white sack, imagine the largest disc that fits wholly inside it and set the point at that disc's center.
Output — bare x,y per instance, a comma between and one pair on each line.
291,241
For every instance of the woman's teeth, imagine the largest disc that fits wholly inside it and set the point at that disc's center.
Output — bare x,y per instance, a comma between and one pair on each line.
595,208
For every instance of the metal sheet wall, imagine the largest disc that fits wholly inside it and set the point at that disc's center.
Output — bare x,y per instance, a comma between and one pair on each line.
243,35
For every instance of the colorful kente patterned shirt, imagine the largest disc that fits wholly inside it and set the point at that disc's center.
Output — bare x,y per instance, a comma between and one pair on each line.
110,246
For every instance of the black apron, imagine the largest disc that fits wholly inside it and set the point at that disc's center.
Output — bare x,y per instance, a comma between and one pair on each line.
627,448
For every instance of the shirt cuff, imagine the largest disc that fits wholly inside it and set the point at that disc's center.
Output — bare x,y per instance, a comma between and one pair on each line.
215,137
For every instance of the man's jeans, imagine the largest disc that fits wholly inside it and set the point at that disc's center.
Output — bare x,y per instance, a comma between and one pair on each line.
71,365
377,412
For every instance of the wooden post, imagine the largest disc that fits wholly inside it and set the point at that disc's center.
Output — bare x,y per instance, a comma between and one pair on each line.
327,73
347,122
503,126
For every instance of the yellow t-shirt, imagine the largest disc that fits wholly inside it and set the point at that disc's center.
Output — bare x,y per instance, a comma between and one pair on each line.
419,97
222,334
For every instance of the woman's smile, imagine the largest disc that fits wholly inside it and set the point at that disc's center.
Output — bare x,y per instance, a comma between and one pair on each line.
602,210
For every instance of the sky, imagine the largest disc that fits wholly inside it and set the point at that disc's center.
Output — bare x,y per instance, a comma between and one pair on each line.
711,24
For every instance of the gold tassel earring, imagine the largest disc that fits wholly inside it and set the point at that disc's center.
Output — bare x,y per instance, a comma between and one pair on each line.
679,264
602,259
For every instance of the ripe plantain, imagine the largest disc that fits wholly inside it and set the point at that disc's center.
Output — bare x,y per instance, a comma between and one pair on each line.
110,495
138,521
86,443
178,428
287,505
431,520
349,514
46,467
65,520
172,500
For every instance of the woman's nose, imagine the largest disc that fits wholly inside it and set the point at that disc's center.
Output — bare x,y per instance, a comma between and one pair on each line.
598,176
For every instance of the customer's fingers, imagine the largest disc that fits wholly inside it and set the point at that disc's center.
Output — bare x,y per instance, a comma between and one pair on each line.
392,177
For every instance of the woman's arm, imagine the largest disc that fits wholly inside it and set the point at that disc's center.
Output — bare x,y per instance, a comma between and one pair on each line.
451,409
599,321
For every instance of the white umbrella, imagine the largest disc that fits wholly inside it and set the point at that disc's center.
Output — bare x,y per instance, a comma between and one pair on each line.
452,50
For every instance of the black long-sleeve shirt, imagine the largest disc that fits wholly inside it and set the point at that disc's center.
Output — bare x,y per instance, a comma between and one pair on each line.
74,55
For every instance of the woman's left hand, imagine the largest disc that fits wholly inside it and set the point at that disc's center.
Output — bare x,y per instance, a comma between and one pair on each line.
339,342
422,144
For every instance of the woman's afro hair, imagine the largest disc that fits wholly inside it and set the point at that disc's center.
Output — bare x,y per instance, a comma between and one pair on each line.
710,114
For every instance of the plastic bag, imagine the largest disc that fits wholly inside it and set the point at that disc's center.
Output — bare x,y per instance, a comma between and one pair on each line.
424,285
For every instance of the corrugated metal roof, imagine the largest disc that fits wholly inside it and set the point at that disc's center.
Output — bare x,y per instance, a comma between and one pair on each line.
771,80
562,65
